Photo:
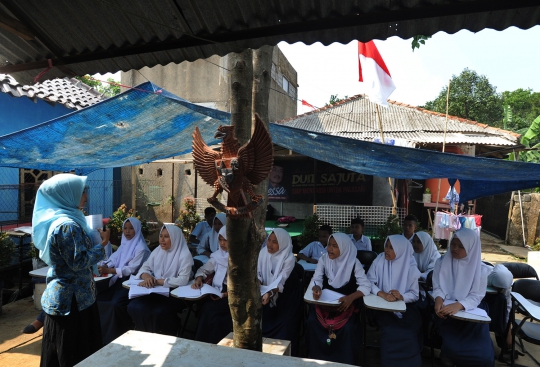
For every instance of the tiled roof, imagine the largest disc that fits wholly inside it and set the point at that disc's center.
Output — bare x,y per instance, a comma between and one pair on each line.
69,92
356,118
87,37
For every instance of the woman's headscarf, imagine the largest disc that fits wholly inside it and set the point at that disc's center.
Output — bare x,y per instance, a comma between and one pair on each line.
128,248
271,265
168,263
339,270
394,274
57,201
427,258
222,262
213,239
458,278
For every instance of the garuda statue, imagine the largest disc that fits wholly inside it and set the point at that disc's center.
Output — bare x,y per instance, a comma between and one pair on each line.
235,169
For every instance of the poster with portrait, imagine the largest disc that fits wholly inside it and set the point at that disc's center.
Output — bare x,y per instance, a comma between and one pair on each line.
299,180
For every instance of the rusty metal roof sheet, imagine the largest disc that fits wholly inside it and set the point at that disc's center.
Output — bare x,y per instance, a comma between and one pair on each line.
69,92
87,37
356,118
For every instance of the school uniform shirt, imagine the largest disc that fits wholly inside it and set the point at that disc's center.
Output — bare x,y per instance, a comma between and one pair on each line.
314,250
364,243
463,280
201,229
210,241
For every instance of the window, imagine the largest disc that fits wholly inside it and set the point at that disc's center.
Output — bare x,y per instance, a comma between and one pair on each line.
280,79
273,71
292,92
285,85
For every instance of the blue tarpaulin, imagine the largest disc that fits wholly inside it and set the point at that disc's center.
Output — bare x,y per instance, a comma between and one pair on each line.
477,176
138,126
148,123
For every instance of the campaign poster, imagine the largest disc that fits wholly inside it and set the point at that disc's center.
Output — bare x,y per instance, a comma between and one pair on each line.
299,181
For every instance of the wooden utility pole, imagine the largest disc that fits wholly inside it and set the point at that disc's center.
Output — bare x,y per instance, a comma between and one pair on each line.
243,291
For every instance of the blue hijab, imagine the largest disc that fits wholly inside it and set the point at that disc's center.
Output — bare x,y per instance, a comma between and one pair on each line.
57,201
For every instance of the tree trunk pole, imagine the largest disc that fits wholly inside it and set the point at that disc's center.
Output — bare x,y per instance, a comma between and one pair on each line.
243,291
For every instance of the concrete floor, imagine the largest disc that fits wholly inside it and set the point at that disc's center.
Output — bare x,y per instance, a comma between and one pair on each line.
17,349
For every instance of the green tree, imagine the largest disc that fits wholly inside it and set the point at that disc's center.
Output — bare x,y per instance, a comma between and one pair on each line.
110,89
334,98
471,97
521,106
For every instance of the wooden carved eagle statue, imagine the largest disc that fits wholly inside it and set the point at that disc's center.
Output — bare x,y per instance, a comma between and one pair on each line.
235,169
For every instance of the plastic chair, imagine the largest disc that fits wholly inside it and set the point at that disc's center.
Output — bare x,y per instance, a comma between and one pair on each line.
366,258
521,270
526,300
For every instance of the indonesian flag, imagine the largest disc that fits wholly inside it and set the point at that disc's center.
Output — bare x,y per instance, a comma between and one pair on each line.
374,73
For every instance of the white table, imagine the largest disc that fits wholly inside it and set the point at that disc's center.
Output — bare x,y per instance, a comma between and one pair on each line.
378,303
308,298
42,273
307,266
137,348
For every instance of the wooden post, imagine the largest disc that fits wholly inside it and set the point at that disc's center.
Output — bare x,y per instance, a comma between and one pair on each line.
133,187
394,201
244,295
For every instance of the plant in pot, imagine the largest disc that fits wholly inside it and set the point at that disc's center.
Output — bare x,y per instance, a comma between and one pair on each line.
188,217
116,221
33,253
7,251
426,198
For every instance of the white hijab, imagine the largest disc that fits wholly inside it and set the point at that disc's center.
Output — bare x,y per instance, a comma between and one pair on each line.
213,238
270,265
221,259
339,270
168,263
458,278
394,274
426,259
128,248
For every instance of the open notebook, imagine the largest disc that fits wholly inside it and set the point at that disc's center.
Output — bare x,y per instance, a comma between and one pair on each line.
137,291
188,292
269,287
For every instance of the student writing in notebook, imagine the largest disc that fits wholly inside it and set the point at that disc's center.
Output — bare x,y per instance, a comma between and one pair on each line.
215,320
169,265
333,333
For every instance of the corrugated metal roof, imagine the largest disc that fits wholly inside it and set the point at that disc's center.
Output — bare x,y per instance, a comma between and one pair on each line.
101,36
69,92
356,118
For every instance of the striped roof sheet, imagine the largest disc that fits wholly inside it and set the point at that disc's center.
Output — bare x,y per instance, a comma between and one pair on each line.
88,37
69,92
356,118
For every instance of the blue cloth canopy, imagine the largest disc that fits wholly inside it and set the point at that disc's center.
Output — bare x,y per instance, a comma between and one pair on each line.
138,126
148,123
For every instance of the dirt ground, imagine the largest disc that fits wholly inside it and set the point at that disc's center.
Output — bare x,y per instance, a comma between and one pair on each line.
17,349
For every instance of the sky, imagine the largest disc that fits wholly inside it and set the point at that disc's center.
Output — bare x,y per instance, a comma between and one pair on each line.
509,59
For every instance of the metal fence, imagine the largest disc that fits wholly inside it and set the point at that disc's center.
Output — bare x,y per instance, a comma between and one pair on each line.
340,216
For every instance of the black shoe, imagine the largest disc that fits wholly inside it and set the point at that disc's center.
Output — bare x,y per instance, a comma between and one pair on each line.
29,329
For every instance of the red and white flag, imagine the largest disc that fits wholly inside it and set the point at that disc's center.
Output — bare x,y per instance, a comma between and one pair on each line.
374,73
305,103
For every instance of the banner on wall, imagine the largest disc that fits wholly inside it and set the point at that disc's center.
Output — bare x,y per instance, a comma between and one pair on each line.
295,180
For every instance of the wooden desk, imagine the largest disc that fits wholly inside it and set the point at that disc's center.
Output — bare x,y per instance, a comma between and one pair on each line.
137,348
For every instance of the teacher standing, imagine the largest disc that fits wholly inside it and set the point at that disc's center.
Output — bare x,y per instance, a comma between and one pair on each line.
72,329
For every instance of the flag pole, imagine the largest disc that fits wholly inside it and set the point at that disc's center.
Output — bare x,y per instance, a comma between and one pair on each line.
394,207
443,148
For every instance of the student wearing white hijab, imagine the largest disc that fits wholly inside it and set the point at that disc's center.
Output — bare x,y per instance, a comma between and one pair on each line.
210,243
459,283
281,305
425,253
215,320
394,277
126,261
340,271
169,265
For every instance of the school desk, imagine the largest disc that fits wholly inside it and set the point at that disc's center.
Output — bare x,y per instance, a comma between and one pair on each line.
378,303
42,273
137,348
465,316
308,298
